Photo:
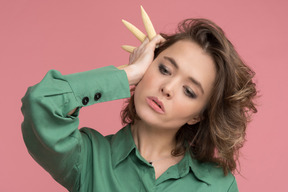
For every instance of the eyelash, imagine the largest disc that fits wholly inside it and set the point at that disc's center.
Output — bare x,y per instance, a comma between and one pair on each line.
190,93
163,70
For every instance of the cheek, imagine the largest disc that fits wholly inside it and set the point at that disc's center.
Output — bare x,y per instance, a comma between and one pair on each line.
147,82
141,92
186,108
149,77
137,94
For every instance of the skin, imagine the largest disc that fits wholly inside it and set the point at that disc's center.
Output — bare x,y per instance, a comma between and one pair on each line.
154,134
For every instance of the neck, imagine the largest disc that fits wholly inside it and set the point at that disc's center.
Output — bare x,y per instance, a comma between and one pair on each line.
153,143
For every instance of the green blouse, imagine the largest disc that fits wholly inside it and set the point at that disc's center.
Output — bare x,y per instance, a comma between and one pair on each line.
84,160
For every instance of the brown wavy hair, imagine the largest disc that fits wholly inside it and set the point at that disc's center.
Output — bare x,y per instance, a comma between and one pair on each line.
221,132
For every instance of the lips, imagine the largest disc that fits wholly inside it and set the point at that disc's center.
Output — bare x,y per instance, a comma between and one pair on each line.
155,104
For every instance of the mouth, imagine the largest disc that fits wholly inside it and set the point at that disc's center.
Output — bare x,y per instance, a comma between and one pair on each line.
155,104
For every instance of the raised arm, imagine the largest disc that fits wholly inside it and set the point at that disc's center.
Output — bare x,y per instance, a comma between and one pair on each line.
51,108
50,133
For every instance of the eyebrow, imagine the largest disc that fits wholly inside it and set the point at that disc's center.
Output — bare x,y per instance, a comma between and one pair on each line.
173,62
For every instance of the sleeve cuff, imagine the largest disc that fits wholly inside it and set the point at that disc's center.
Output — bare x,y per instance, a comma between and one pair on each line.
99,85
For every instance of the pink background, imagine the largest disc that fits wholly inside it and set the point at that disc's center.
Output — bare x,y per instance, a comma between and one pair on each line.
73,36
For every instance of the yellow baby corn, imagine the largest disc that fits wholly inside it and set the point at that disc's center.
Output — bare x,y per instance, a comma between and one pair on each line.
122,66
128,48
148,24
141,36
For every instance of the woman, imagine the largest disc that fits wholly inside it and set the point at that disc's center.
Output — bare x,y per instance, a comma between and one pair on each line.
185,121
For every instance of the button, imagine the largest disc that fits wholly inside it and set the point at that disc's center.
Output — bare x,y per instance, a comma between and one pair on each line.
97,96
85,100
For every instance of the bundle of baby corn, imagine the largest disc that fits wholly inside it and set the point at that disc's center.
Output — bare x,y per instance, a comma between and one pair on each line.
138,34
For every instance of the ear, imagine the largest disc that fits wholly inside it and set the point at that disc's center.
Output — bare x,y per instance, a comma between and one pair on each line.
194,120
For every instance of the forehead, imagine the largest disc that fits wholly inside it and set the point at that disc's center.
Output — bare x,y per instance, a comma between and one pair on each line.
193,61
185,48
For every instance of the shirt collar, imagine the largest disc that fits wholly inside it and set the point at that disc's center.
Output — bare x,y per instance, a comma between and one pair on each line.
200,170
122,144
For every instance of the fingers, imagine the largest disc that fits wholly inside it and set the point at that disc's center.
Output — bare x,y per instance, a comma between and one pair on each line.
145,42
156,41
138,51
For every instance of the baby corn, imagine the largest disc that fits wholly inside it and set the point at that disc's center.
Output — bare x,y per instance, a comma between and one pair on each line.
141,36
128,48
148,24
122,66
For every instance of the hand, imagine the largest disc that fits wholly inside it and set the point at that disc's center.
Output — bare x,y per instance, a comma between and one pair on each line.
141,58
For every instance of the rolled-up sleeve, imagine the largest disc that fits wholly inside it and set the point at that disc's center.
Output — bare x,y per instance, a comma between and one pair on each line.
51,136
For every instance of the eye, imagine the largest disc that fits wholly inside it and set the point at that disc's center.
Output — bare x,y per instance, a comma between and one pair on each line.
164,70
190,93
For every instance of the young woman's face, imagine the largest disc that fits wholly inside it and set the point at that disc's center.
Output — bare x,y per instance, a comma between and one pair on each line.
180,81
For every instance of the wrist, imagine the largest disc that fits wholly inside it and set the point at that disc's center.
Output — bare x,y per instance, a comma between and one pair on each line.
133,77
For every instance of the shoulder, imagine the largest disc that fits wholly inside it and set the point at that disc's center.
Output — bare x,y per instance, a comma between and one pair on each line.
219,181
214,176
217,177
117,146
93,138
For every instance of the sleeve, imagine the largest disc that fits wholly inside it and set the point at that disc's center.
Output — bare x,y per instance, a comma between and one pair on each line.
51,136
233,187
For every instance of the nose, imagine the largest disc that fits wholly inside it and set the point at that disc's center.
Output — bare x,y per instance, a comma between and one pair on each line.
166,93
168,90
